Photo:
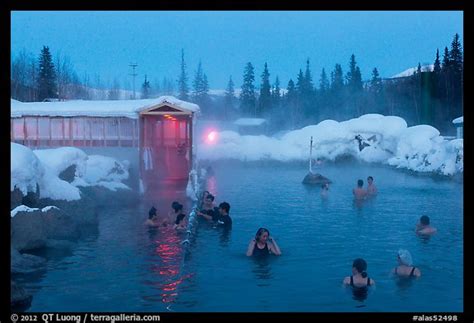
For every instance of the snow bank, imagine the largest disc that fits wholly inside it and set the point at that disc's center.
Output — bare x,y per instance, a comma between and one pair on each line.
60,159
370,138
24,208
25,168
102,168
42,167
459,120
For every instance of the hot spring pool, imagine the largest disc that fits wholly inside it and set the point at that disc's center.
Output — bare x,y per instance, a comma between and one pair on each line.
126,267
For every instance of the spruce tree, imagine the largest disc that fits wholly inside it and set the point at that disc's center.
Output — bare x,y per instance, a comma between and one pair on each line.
337,93
291,98
446,60
300,84
437,63
229,98
276,96
200,87
323,82
247,96
146,89
264,101
308,81
47,82
277,115
354,78
456,67
183,80
337,80
376,81
455,55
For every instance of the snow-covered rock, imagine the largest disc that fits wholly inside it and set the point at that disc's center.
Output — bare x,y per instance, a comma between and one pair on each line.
25,168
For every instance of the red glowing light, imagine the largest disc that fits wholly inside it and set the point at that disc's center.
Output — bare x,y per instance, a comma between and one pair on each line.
212,136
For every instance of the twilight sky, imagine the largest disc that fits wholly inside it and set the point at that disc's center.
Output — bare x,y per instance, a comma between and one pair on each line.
106,42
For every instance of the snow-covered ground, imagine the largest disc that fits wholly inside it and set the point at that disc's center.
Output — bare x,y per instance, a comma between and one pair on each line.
30,168
382,139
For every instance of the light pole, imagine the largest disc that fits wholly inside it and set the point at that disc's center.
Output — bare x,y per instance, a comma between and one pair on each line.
133,65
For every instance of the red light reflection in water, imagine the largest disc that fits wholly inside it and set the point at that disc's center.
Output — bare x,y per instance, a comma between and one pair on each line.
168,243
169,249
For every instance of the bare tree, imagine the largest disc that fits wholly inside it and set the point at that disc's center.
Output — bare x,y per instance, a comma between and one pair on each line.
64,73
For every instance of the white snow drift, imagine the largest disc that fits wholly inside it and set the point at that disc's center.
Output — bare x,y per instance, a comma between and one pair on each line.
381,139
42,167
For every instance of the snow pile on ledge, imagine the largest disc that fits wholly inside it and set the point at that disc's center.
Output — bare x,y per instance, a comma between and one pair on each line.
370,138
42,167
106,172
60,159
26,169
24,208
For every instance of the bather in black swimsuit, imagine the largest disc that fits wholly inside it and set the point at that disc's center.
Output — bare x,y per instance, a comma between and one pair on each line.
260,252
360,292
412,272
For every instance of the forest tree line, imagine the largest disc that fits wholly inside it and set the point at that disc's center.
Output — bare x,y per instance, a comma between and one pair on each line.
433,97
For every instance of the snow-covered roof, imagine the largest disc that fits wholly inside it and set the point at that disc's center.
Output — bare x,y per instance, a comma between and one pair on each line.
108,108
412,70
249,121
459,120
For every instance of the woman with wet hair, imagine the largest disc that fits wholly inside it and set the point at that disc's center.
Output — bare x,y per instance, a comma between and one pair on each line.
152,220
405,266
359,280
179,223
263,244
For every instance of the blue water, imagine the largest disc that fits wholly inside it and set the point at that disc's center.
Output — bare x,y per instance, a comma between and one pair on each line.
125,267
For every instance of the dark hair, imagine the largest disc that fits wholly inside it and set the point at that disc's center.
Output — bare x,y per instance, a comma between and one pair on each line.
152,212
360,183
370,177
260,232
210,196
176,206
361,266
225,206
425,220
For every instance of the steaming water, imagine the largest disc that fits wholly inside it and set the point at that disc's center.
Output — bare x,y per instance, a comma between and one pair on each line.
127,268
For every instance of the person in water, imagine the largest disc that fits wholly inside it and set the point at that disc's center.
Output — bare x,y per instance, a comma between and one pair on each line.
325,190
204,196
371,188
208,210
263,244
152,220
359,192
179,223
223,217
359,277
405,266
424,227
